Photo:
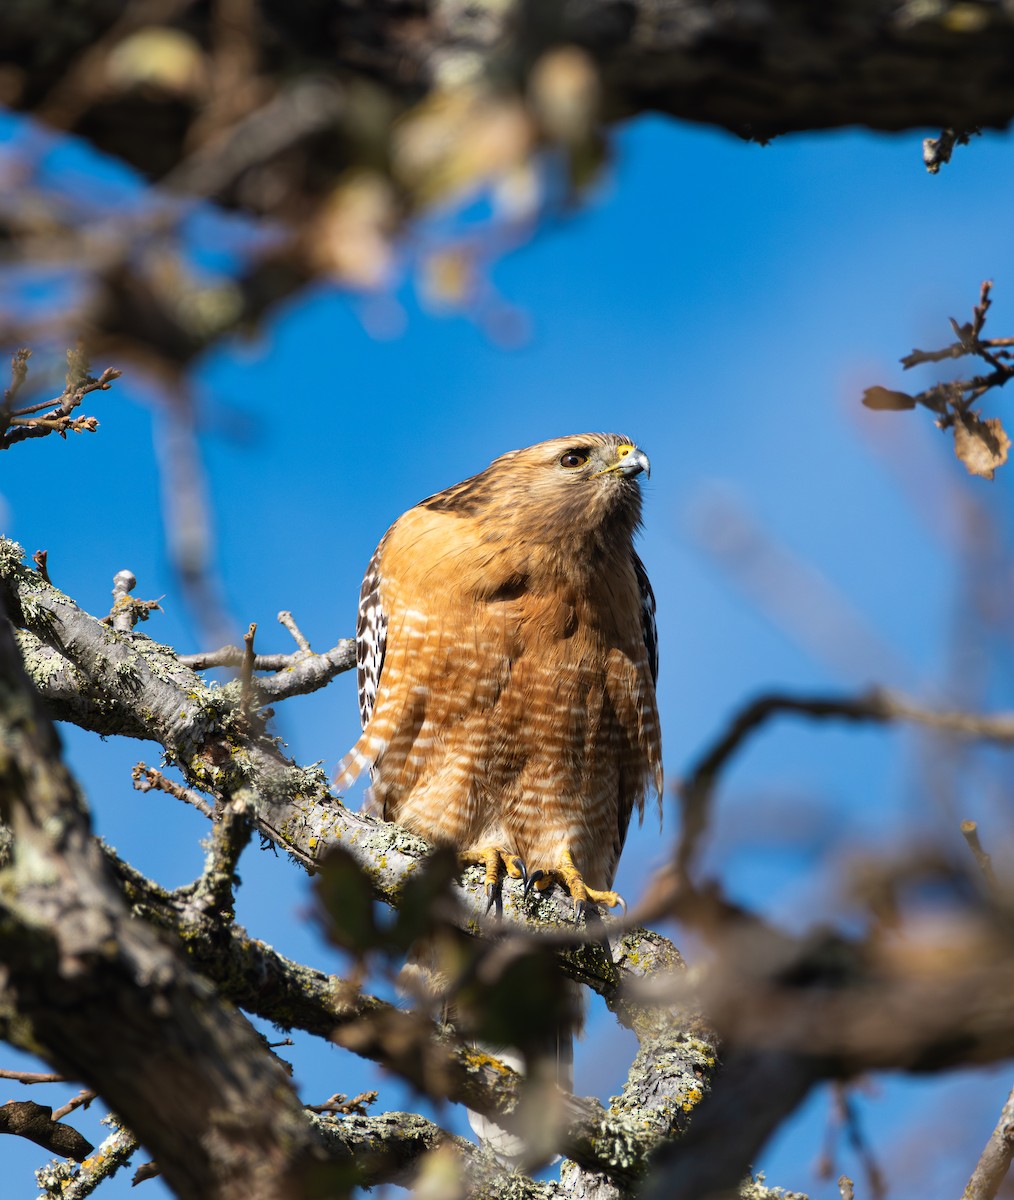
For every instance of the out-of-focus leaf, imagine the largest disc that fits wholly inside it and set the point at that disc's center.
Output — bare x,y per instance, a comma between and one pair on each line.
350,915
522,1000
884,400
351,235
346,897
982,445
440,1176
456,140
565,93
449,277
425,900
158,57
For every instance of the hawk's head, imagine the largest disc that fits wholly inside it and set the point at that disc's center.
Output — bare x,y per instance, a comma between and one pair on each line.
555,491
580,483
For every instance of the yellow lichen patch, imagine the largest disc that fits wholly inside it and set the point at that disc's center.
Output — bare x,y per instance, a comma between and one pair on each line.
477,1060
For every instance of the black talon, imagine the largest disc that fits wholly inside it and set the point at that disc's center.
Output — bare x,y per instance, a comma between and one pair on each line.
533,879
622,903
494,895
519,863
596,927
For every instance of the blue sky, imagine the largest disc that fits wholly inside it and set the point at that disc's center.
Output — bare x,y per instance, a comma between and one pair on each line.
725,305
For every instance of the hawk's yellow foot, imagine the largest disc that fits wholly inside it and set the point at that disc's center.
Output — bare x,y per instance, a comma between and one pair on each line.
567,873
491,858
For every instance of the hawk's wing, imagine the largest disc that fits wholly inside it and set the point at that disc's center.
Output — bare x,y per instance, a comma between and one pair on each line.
371,638
648,625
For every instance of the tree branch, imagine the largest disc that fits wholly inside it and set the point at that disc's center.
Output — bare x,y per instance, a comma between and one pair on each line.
697,789
219,1114
994,1162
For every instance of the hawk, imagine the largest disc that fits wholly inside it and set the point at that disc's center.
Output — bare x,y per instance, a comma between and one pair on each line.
507,659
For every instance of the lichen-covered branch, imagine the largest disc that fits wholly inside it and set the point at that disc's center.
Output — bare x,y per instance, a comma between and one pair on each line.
97,993
668,1077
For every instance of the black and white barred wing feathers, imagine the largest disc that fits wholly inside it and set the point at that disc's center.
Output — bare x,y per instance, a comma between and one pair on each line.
371,638
648,623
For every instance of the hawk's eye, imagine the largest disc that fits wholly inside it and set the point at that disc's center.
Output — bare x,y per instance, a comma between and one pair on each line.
574,458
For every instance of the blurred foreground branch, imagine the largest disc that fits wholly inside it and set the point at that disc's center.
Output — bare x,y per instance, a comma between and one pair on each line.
696,790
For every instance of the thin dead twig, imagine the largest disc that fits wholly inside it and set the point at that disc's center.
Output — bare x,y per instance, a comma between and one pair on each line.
127,610
41,560
340,1103
970,832
18,424
19,373
994,1162
246,670
146,778
286,618
981,444
81,1100
233,656
294,674
27,1077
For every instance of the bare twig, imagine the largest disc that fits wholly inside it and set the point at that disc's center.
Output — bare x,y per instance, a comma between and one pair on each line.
81,1100
127,610
230,835
246,671
295,674
286,618
26,1119
937,151
18,424
340,1103
19,373
147,1170
147,778
981,444
27,1077
849,1118
994,1162
41,560
970,832
233,656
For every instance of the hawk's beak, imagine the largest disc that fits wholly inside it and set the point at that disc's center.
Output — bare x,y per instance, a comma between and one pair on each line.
631,461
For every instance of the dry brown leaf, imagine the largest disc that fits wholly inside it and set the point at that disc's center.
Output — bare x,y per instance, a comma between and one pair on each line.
981,445
884,400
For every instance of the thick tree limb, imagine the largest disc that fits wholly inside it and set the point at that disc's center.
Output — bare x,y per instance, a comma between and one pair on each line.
756,69
277,115
80,974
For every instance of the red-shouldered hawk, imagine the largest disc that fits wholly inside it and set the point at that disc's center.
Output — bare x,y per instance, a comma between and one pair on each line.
507,660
